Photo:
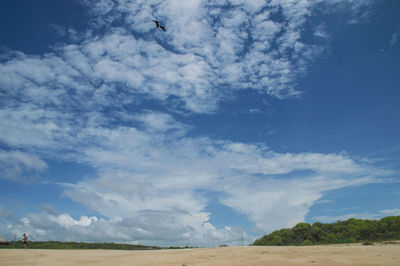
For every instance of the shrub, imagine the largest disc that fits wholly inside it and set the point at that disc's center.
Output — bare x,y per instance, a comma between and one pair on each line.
307,242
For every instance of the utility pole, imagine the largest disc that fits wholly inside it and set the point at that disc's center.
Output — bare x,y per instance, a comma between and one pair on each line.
242,238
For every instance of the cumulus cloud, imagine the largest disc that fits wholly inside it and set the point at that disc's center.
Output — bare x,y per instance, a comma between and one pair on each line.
252,179
275,203
169,230
156,197
144,176
235,46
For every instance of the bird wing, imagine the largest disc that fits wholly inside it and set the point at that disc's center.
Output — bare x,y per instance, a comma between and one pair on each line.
157,25
162,27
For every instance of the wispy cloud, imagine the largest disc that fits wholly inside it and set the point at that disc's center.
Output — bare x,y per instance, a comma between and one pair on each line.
369,216
20,166
320,31
355,11
394,39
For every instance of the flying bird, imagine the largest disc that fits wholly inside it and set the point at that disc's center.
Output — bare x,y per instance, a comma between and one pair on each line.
159,26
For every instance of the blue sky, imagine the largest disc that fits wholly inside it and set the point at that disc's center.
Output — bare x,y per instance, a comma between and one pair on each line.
242,118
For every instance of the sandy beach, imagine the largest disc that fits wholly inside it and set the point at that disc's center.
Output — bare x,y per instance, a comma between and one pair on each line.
356,254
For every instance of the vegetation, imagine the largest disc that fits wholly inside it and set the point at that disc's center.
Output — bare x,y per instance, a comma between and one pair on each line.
76,245
350,231
82,245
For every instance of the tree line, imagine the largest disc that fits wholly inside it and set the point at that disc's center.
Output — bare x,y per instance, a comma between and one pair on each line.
76,245
349,231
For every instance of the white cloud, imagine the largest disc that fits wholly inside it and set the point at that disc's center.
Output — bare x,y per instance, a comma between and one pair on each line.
324,201
192,67
275,203
170,229
390,212
368,216
161,122
19,166
144,176
355,11
28,125
153,198
249,176
83,103
66,221
320,31
394,39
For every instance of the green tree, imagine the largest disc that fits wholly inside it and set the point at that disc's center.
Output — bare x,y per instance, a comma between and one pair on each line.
330,239
316,232
301,232
306,242
350,231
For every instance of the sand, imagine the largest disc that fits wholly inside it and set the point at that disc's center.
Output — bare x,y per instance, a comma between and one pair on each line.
355,254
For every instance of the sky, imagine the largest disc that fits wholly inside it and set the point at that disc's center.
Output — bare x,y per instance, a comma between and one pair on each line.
244,117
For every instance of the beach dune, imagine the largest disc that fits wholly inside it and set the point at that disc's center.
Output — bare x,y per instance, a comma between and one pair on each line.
355,254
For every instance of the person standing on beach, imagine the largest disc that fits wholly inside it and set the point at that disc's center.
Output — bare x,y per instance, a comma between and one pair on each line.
25,240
